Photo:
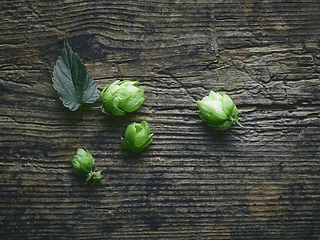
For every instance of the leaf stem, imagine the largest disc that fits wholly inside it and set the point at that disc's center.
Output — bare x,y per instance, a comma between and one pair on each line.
97,107
240,125
80,112
124,155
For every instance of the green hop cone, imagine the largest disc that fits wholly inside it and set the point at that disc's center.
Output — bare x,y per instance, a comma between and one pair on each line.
82,162
137,137
121,97
218,110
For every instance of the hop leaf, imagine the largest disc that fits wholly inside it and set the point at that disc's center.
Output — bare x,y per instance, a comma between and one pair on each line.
71,80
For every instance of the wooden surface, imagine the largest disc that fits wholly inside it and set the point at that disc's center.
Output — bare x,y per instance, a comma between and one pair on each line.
192,182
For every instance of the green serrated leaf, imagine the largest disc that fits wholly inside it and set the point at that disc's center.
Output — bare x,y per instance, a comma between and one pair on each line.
71,80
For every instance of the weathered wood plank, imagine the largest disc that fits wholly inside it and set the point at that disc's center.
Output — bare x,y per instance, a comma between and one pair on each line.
192,182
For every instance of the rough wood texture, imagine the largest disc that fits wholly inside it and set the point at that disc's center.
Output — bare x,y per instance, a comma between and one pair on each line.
192,182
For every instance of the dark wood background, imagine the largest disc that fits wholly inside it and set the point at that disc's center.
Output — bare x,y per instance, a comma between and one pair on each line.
192,182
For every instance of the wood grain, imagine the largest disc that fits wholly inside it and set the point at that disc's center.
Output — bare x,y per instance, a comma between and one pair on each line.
192,182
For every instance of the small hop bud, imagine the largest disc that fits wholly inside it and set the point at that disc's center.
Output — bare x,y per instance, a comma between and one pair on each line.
82,162
218,110
121,97
137,137
95,177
